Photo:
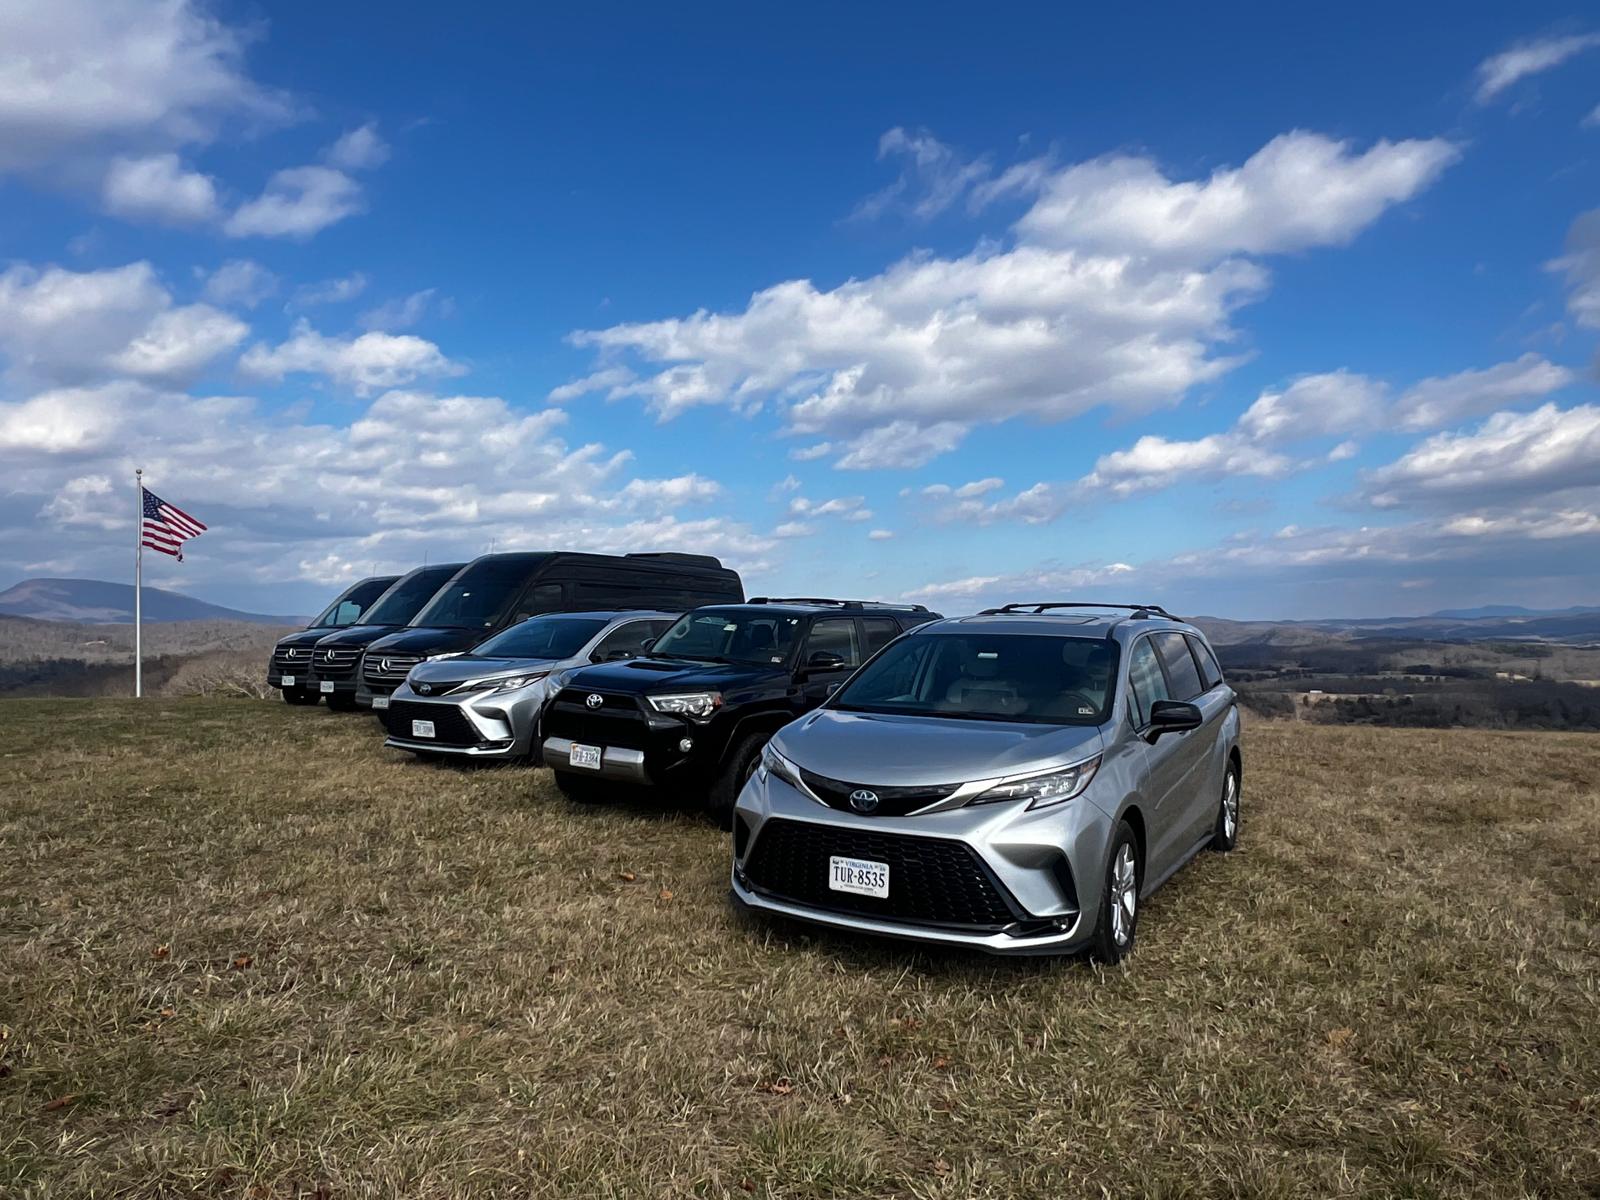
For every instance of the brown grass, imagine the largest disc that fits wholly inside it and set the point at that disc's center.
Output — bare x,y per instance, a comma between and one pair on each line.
268,958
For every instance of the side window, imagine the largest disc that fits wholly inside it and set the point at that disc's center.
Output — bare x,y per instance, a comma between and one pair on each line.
880,632
1182,673
1146,679
836,636
1210,671
346,613
541,598
626,640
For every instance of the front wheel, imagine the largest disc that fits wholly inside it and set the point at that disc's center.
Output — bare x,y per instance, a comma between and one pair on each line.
1114,933
299,697
741,763
1225,835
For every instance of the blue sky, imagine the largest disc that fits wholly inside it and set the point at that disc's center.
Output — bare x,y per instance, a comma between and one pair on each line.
1243,313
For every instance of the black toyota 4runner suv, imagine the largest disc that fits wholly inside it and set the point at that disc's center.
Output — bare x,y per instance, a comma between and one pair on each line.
693,712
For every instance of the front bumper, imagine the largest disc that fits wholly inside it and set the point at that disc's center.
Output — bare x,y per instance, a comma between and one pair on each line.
1043,866
493,726
638,747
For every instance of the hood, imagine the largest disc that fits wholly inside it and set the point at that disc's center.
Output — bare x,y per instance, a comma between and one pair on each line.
306,637
425,639
901,751
451,671
358,635
642,676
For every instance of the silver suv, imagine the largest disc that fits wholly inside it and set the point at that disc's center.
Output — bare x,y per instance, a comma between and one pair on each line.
1017,781
486,703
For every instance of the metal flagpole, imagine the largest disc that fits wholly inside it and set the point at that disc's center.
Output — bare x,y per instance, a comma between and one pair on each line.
138,588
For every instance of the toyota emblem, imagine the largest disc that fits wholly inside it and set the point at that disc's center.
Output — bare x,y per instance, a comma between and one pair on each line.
594,700
424,689
864,801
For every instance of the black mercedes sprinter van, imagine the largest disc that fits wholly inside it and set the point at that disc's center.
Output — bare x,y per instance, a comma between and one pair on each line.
498,590
335,658
292,655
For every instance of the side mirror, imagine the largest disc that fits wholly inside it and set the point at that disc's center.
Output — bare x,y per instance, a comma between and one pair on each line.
1173,716
825,660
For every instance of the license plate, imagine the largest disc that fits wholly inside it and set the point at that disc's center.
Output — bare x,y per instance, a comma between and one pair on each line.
380,702
288,681
587,757
422,729
861,876
327,687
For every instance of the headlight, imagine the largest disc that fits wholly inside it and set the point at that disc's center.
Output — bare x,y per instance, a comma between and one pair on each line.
773,763
689,704
500,685
1043,789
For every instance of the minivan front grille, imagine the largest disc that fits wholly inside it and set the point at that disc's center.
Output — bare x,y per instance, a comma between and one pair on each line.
451,726
891,801
932,881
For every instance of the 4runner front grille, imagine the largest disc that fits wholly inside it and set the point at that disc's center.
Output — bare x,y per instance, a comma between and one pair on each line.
617,721
932,881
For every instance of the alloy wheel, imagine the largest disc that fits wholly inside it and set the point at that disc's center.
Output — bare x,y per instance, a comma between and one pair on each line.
1124,894
1230,806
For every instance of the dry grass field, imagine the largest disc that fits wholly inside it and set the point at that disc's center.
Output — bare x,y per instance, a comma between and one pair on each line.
246,952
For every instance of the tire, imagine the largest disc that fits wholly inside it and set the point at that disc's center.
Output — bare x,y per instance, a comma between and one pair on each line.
299,697
579,788
741,763
1225,835
340,703
1118,926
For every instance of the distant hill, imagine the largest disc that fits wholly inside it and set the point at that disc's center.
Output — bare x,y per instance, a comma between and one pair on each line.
94,601
1574,626
1508,610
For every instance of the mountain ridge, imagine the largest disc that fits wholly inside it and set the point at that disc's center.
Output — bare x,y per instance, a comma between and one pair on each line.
99,602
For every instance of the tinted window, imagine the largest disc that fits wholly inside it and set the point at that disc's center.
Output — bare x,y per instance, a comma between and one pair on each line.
1027,678
1210,671
627,640
752,635
352,602
542,637
834,636
406,598
880,632
476,598
541,598
1146,679
1182,674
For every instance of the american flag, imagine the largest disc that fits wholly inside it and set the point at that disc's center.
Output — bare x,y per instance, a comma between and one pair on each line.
166,528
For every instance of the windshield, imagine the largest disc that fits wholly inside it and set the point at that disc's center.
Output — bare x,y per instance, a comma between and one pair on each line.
542,637
476,597
730,635
347,609
401,602
1034,679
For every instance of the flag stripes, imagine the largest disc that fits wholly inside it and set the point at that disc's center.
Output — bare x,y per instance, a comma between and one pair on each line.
165,527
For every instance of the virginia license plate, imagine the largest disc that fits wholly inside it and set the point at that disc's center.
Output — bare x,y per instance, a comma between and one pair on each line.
587,757
327,687
380,702
422,729
861,876
287,681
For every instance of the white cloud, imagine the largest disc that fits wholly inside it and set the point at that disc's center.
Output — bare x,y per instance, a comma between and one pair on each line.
401,313
298,202
82,78
1497,73
794,529
880,535
1593,118
935,176
1545,451
159,188
811,453
68,326
1314,406
1581,264
1450,399
66,421
366,364
600,381
241,282
1117,292
1154,462
358,150
330,291
1299,190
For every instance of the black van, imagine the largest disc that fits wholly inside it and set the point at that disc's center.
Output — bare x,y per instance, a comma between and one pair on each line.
334,659
292,655
498,590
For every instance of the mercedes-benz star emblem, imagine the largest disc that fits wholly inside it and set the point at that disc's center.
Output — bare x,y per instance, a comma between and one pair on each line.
328,654
863,801
594,700
383,664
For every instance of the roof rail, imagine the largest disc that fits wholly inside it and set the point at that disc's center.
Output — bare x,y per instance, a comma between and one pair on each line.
850,604
1139,612
704,560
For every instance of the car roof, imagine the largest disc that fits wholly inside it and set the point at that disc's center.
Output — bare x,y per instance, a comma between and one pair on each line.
850,608
622,614
1120,625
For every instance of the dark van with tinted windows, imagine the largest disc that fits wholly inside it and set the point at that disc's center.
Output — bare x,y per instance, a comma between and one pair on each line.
292,655
498,590
336,657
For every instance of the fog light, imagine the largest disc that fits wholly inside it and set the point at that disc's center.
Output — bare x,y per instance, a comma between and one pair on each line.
686,745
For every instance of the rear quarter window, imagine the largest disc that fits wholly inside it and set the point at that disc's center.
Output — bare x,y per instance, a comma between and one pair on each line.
1210,670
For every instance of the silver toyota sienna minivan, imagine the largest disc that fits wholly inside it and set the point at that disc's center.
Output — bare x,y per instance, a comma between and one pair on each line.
1017,782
